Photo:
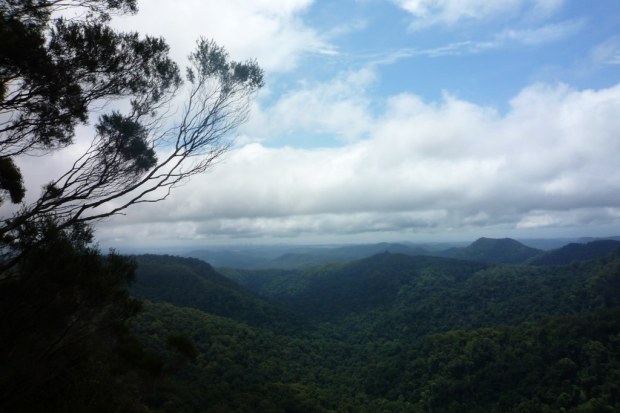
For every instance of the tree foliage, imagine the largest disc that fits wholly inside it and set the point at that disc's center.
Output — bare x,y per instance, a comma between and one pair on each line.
53,69
64,343
135,156
62,316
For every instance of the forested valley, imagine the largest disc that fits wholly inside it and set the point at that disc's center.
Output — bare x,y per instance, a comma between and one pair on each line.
390,332
95,120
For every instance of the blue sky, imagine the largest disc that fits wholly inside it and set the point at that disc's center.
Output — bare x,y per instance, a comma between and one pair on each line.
416,120
486,58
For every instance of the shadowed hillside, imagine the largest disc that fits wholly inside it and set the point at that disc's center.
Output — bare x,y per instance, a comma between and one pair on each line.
188,282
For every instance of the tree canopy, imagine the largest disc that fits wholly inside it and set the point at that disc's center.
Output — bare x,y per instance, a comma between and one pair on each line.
54,73
64,343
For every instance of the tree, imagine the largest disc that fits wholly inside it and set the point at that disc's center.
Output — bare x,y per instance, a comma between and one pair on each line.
62,325
63,306
52,72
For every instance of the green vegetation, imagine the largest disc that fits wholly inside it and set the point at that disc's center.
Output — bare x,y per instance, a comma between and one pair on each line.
188,282
395,333
388,333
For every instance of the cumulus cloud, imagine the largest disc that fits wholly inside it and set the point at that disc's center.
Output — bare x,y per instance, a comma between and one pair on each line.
549,161
339,108
397,164
272,31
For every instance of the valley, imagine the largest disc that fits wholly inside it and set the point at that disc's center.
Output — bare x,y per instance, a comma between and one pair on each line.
394,332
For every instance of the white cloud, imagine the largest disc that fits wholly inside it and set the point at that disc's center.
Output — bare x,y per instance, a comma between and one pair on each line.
427,13
338,108
606,52
551,160
270,31
402,164
541,35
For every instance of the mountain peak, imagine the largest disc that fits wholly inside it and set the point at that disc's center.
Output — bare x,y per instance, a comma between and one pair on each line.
497,250
484,241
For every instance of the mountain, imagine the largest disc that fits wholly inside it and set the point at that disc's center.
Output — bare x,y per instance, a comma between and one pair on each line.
575,252
227,258
294,260
188,282
546,244
501,251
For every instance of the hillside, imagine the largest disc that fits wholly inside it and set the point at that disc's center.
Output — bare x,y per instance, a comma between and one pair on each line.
421,295
187,282
576,252
368,284
500,251
227,258
390,333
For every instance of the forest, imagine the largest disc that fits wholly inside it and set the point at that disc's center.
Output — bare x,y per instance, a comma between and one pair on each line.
493,326
387,333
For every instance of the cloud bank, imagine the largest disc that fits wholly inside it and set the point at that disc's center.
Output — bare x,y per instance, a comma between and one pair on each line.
549,161
347,159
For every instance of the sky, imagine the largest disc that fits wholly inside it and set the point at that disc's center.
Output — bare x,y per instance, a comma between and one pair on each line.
400,120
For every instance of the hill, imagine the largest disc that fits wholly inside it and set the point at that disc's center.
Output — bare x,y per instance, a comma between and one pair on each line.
421,295
394,333
188,282
367,284
500,251
227,257
576,252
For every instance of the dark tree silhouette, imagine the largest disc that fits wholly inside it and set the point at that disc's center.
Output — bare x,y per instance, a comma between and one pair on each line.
53,71
64,342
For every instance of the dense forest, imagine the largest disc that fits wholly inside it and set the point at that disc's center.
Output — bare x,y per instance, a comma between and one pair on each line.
495,326
390,332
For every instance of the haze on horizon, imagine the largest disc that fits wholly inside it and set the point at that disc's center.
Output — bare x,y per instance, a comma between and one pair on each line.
398,120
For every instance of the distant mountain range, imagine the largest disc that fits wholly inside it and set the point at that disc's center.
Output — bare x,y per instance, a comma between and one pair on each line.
489,250
510,251
298,257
